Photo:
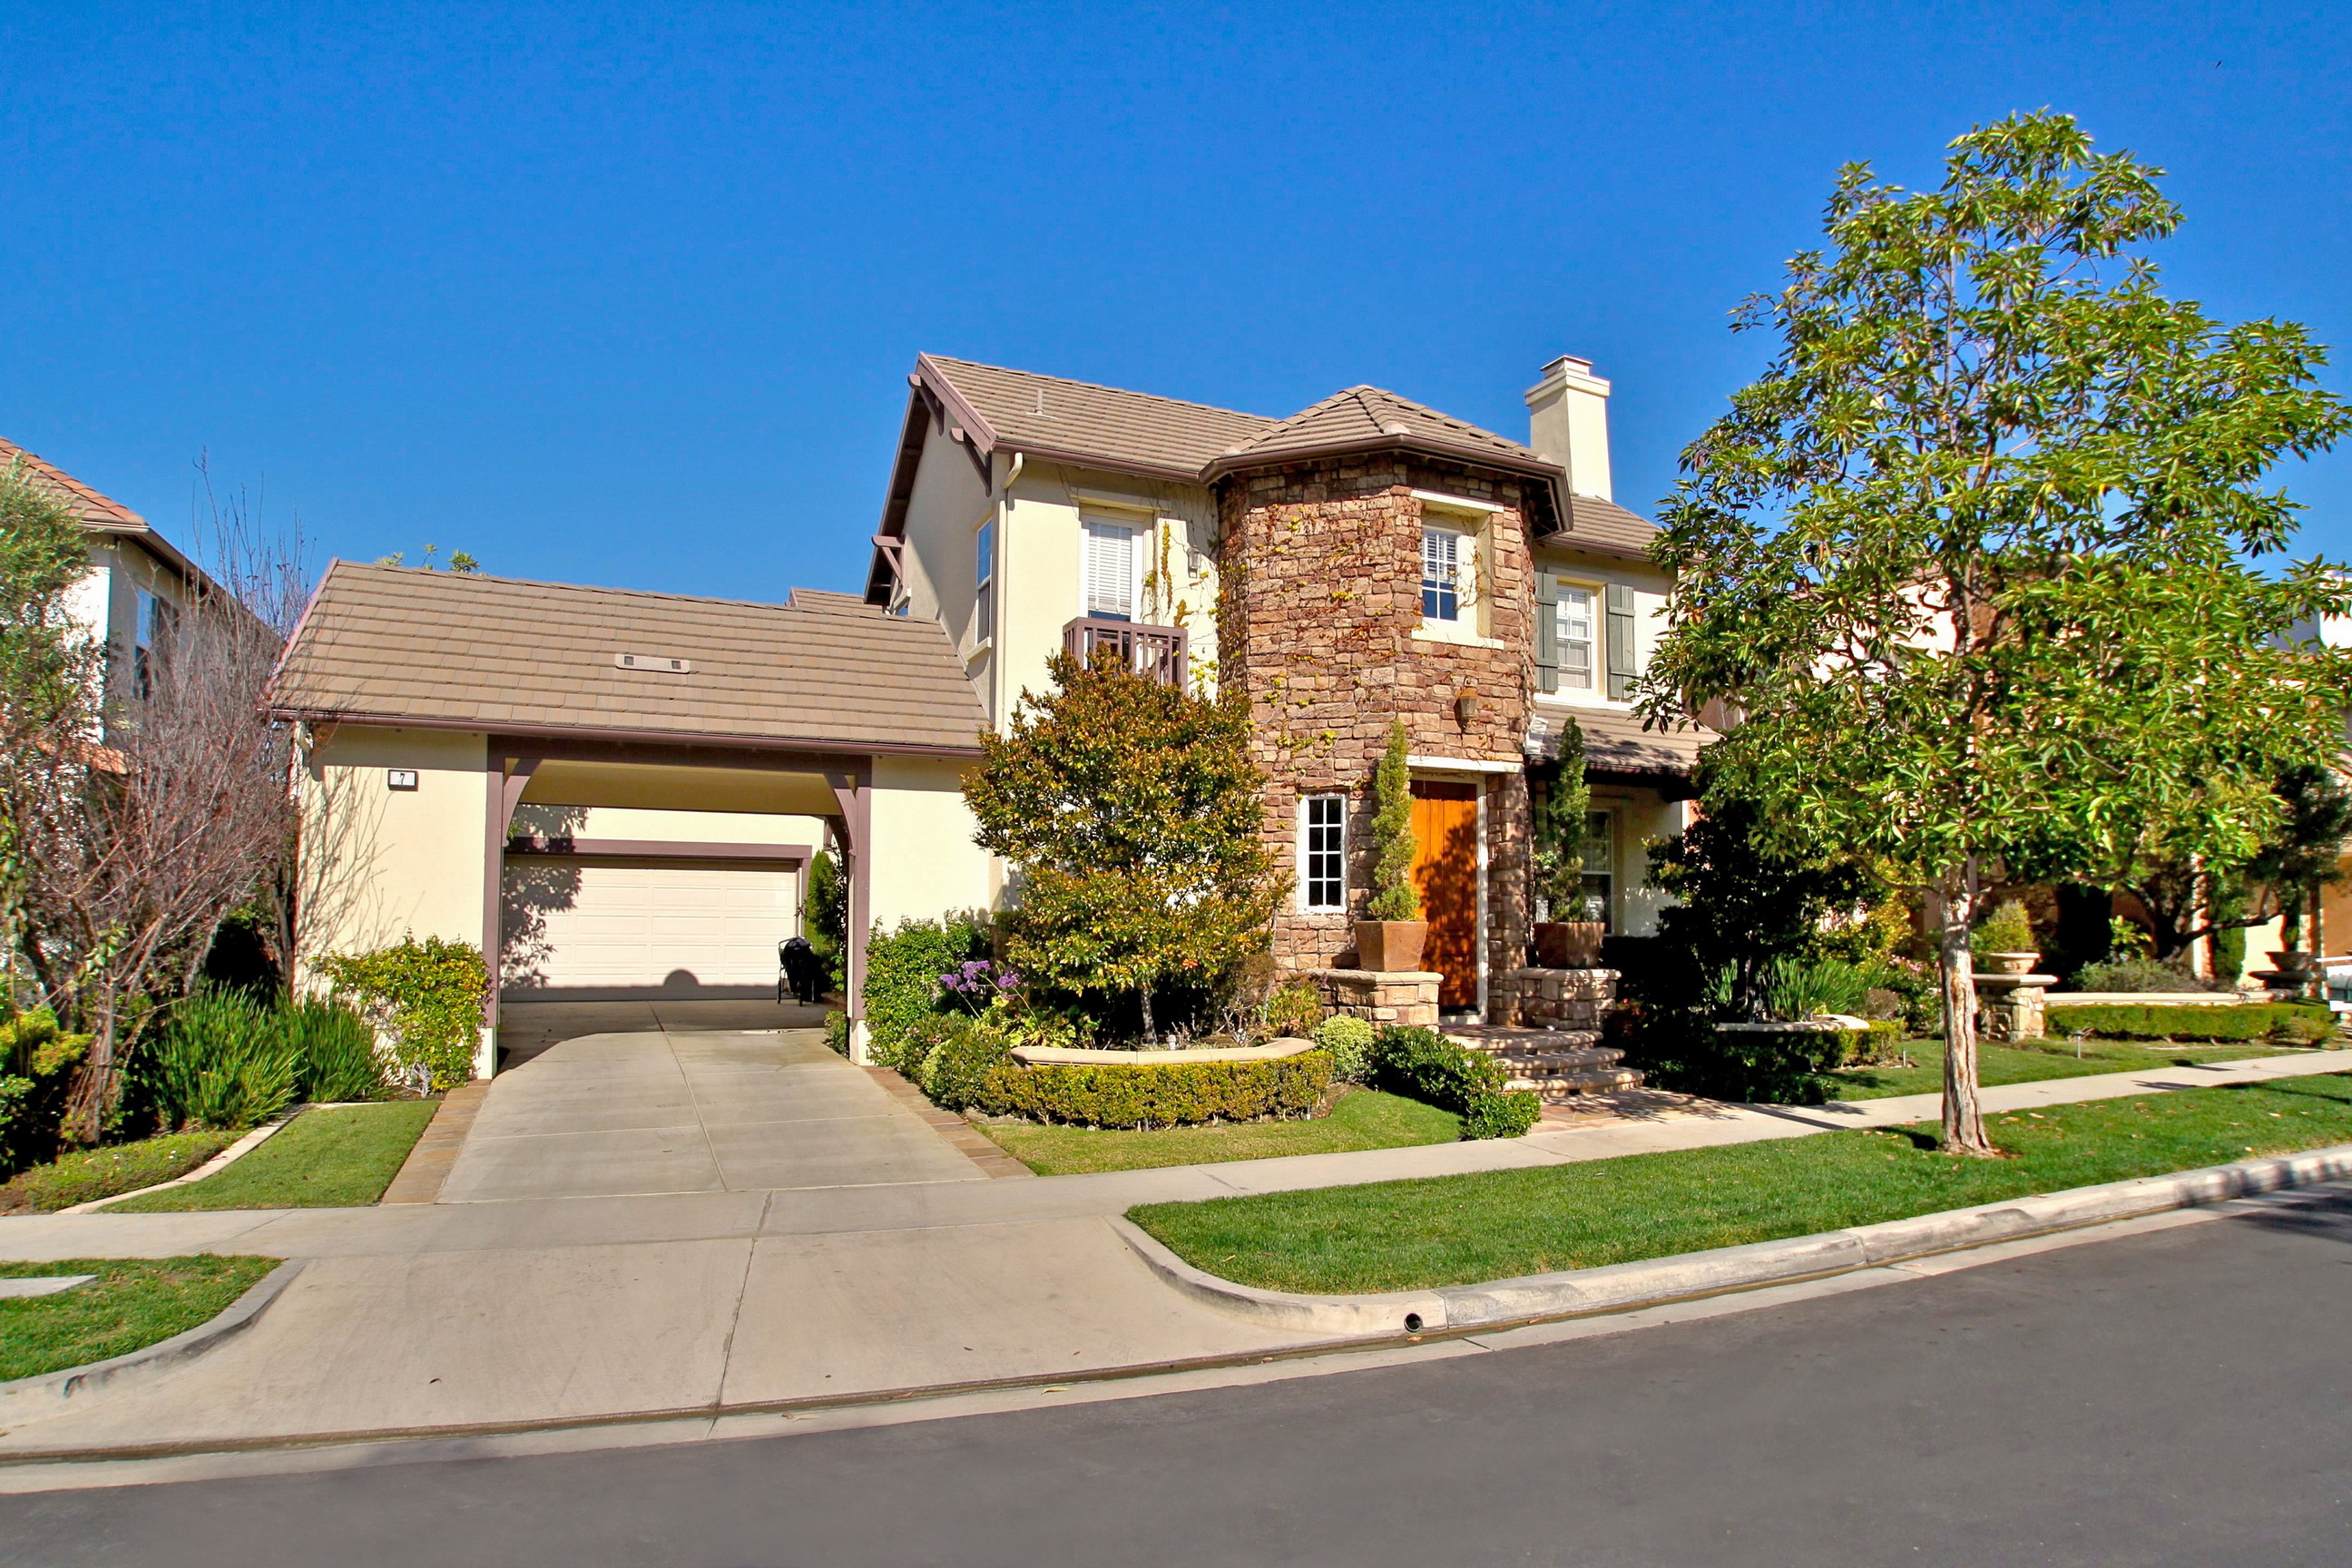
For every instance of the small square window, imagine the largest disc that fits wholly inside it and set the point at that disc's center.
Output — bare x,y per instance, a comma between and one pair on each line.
1323,853
1441,575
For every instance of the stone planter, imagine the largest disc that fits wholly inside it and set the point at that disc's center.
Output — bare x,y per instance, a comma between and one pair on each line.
1390,947
2297,962
1569,944
2010,962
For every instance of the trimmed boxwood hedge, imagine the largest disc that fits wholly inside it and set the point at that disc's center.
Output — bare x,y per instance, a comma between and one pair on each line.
2302,1022
1177,1094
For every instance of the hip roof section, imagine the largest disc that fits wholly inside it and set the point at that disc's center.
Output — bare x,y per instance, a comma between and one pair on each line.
394,644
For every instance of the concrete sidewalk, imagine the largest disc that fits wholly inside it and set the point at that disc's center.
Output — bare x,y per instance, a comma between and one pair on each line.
569,1308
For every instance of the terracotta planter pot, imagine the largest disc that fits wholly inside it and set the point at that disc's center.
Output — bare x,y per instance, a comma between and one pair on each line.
2010,962
1391,946
1569,944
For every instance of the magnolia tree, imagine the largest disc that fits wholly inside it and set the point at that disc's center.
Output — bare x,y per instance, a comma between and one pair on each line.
1969,562
1133,813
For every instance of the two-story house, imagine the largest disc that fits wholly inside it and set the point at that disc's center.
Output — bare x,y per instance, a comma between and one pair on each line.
1366,560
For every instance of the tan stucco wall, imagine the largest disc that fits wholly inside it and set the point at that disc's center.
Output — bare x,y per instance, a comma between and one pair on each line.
669,826
924,863
1641,816
378,863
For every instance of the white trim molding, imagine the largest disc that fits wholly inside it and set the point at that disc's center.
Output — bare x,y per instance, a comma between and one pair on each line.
1460,765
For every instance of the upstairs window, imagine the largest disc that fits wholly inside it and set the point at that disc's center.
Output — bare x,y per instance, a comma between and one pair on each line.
1441,575
1110,572
1576,629
1323,853
984,623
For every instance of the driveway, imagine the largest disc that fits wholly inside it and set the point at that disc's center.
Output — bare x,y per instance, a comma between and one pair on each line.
676,1108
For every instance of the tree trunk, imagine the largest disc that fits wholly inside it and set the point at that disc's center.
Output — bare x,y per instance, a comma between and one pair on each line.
1951,910
93,1095
1150,1032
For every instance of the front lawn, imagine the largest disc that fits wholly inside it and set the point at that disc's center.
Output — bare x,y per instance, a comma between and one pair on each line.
2026,1063
339,1158
1454,1230
88,1174
1365,1119
131,1304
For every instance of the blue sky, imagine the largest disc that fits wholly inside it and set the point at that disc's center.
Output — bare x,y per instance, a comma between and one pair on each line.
628,295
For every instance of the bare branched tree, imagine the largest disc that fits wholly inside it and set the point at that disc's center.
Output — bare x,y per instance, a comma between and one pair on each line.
147,803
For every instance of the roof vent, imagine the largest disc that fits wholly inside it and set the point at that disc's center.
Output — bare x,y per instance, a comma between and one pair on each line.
659,662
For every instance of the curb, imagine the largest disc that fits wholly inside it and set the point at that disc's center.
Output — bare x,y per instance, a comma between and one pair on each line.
1619,1286
53,1393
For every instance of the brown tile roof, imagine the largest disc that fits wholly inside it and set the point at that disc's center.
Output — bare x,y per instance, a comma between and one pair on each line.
390,643
1615,742
97,510
1368,418
1603,526
1082,422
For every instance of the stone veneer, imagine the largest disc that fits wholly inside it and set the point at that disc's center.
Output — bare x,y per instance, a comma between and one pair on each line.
1388,996
1577,1000
1320,563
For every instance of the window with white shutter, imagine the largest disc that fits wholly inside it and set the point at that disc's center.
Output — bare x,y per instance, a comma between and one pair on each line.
1441,575
1575,633
1110,572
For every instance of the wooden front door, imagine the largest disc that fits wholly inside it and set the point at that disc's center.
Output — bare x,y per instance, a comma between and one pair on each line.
1446,870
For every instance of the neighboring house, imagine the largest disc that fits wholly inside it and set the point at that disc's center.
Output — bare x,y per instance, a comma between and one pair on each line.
1365,560
137,581
616,795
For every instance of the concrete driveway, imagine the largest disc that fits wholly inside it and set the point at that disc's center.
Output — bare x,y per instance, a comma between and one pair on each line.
685,1110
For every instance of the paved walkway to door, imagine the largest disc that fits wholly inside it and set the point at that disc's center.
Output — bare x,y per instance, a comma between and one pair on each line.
672,1109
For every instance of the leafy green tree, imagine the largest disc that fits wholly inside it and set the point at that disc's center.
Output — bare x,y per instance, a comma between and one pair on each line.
2303,852
1394,898
1133,813
1970,560
1561,828
826,913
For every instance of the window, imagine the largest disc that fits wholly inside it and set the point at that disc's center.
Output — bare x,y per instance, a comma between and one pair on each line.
1600,865
150,639
1323,852
1441,575
1575,612
1110,572
984,613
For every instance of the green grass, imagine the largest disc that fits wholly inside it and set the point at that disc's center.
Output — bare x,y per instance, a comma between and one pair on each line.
131,1304
1363,1120
342,1158
89,1174
1453,1230
2024,1064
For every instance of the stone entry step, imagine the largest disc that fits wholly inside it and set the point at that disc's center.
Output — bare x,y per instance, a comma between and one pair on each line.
1555,1063
1582,1080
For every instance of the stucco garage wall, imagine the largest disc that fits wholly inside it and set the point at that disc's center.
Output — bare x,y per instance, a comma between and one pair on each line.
379,863
924,860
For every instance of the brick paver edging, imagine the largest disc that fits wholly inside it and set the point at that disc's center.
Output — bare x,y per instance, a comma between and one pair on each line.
428,1164
968,1140
1622,1287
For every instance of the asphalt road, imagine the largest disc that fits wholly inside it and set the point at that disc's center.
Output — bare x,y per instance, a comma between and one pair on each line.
2170,1398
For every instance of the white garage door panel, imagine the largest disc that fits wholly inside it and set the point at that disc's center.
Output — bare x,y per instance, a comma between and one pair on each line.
629,924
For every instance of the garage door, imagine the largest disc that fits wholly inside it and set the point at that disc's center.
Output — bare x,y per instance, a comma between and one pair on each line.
630,924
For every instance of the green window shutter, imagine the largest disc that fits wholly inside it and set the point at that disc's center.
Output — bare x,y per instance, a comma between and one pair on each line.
1547,633
1621,642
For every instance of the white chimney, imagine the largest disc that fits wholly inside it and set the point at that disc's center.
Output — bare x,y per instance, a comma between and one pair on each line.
1568,421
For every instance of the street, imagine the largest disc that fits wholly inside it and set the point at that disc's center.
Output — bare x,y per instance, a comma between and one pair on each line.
2167,1398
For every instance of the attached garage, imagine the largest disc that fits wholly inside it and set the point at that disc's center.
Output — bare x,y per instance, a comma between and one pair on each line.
605,929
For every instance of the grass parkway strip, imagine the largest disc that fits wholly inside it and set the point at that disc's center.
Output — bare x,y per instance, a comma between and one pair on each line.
133,1303
338,1157
1500,1225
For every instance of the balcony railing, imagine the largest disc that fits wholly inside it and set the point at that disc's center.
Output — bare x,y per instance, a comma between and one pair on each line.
1156,653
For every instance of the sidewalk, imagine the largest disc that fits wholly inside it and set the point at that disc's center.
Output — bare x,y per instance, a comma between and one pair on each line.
536,1309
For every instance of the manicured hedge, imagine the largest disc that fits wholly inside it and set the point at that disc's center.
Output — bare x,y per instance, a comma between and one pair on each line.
1422,1063
1876,1045
1092,1094
2302,1022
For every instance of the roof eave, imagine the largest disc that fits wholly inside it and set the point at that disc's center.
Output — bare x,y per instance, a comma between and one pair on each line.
1227,464
292,713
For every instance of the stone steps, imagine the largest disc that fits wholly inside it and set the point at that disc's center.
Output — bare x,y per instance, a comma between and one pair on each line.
1554,1086
1545,1064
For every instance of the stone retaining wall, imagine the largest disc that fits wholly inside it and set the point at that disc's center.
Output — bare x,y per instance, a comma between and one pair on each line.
1392,997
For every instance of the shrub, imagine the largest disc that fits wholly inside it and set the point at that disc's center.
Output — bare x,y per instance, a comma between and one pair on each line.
1682,1051
2007,930
1175,1094
837,1032
904,1004
222,1061
956,1072
2299,1022
1797,989
89,1174
334,1049
36,1063
1423,1065
2136,973
1881,1045
428,995
1294,1011
1394,898
1349,1040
